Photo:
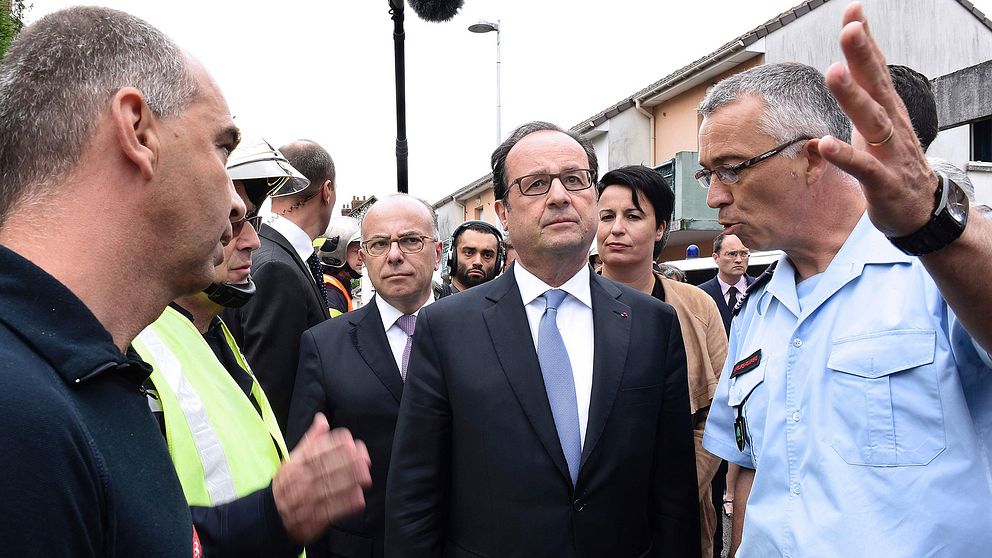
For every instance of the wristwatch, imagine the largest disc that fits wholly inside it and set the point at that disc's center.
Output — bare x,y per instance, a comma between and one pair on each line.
949,218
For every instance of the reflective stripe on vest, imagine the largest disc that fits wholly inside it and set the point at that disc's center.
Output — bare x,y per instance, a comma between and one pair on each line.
336,283
217,475
222,447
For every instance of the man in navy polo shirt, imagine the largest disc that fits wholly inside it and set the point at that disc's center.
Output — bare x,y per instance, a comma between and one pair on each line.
111,139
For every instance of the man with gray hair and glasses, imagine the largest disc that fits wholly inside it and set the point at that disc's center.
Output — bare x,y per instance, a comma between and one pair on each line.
857,393
110,132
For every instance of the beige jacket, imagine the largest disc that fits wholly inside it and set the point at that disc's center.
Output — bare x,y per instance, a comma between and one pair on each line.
704,337
705,350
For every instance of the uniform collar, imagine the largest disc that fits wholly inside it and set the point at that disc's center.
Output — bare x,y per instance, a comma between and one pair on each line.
866,245
58,326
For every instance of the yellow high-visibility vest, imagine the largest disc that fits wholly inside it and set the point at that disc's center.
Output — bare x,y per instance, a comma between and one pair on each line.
221,446
336,283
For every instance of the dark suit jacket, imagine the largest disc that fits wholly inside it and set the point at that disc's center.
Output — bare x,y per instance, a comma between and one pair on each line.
712,288
477,467
348,373
268,328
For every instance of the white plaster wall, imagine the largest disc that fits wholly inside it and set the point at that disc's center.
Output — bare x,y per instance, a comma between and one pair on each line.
982,181
953,144
935,37
629,141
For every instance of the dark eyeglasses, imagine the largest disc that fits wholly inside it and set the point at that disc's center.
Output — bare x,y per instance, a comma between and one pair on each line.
730,174
255,220
540,184
410,244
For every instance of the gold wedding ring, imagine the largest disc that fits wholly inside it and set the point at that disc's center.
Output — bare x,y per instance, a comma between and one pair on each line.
892,131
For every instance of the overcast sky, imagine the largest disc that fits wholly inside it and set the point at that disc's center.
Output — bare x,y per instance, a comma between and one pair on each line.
324,70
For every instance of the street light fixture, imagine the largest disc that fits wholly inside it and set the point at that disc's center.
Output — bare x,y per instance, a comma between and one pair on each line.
486,27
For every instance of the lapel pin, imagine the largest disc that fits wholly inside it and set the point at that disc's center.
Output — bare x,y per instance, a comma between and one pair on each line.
621,314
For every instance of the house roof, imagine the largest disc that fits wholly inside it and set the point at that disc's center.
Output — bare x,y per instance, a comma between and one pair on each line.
680,76
685,72
463,192
729,49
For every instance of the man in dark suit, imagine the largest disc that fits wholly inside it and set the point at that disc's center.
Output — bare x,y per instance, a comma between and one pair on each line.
546,412
731,257
352,368
285,269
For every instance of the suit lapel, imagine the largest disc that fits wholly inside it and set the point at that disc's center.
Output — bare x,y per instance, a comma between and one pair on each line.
611,328
273,235
506,320
712,287
371,343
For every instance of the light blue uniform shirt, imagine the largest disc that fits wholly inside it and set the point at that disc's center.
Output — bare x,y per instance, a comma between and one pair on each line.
869,413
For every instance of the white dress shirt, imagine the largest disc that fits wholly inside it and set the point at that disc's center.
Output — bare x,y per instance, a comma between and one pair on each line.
296,236
724,287
394,334
574,323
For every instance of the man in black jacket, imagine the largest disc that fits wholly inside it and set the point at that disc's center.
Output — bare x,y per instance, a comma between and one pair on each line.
289,278
731,257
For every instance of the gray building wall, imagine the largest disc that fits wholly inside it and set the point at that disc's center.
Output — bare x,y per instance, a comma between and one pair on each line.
934,37
600,138
954,145
629,140
449,216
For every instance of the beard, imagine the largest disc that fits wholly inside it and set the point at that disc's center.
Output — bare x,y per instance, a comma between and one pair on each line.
471,281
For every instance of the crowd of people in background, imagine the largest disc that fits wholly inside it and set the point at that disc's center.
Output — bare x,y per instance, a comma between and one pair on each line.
196,378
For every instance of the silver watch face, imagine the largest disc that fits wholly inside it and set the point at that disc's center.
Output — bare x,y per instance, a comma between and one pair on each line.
957,202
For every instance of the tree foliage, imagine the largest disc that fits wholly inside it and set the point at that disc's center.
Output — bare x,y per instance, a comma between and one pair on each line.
11,21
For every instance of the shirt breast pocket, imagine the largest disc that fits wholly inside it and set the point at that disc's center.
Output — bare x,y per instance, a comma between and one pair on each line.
885,394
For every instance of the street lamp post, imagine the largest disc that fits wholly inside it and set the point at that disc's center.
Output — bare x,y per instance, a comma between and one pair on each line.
486,27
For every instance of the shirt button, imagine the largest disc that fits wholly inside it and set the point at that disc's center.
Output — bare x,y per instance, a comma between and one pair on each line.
797,342
795,416
795,488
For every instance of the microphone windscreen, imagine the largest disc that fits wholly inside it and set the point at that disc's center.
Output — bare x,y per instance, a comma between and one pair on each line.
436,10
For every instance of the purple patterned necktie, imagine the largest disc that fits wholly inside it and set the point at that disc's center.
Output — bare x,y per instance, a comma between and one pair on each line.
408,323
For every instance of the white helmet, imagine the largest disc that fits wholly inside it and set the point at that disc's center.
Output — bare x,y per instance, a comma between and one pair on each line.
332,246
256,160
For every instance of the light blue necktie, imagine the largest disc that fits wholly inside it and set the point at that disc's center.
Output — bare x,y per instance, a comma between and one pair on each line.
558,381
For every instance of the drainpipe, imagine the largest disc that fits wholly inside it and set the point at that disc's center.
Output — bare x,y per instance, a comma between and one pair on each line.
650,115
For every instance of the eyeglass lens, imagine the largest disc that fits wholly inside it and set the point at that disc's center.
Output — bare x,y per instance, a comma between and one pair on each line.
254,220
407,245
572,180
737,253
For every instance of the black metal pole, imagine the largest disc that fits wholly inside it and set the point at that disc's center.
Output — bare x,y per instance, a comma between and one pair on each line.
396,10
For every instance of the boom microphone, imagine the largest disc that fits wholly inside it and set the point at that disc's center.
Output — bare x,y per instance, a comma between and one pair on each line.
436,11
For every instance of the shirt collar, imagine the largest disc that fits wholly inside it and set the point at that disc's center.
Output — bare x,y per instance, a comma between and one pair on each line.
300,240
390,314
531,287
58,325
741,285
865,245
